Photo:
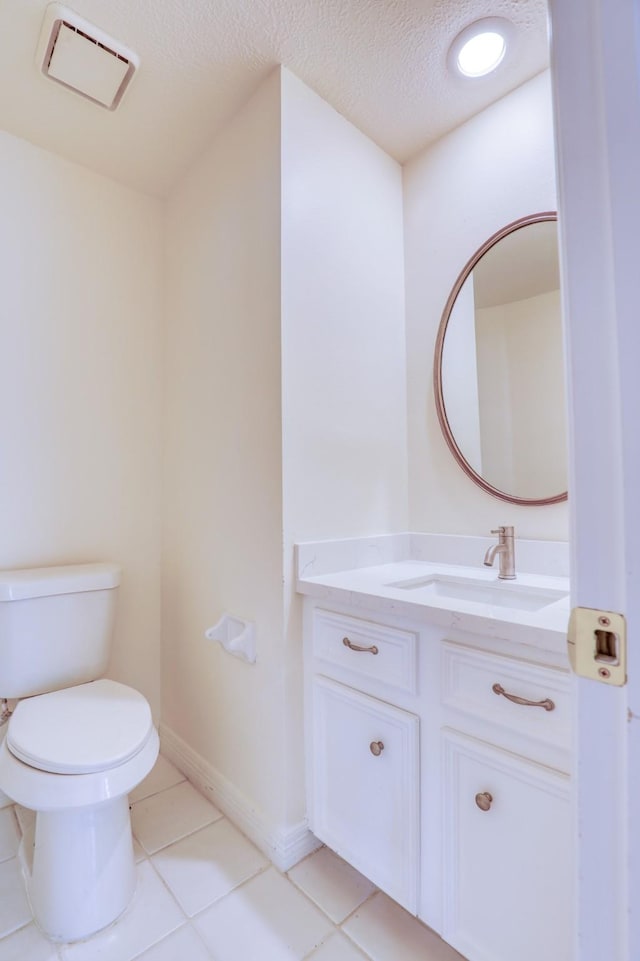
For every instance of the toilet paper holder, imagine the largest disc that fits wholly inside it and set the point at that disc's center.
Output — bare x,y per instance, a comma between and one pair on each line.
238,637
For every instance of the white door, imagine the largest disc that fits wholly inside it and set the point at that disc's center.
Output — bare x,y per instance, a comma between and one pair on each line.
366,787
596,70
507,878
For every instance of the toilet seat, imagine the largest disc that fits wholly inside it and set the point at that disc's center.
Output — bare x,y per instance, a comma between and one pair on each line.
80,730
43,791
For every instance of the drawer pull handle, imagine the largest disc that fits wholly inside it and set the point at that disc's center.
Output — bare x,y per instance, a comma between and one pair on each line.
547,704
376,748
356,647
484,800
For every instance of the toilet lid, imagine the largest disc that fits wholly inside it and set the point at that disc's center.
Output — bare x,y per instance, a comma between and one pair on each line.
80,730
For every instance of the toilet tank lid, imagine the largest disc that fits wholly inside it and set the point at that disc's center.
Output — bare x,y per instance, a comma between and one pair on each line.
46,581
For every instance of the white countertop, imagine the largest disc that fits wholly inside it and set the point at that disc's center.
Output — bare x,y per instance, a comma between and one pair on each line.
371,589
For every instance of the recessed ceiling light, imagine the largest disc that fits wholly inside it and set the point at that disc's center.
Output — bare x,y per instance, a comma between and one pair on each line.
480,47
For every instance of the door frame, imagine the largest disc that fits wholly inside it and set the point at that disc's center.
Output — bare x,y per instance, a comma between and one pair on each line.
596,84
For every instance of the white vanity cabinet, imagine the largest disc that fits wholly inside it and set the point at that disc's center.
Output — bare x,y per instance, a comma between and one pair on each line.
363,749
366,786
438,764
506,862
506,816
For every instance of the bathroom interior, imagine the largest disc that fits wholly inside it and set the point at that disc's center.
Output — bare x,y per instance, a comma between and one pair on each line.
221,304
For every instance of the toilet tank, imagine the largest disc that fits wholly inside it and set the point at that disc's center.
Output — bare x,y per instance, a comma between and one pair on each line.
56,626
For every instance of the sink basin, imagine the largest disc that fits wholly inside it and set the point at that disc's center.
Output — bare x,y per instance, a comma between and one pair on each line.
497,594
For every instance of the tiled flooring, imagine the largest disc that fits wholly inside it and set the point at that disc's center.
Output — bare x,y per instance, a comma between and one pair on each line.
205,893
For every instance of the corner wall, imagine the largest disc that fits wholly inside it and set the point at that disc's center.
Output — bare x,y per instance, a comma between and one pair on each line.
286,419
344,377
344,433
222,541
80,386
495,168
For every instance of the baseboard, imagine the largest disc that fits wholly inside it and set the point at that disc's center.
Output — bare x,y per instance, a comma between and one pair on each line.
283,846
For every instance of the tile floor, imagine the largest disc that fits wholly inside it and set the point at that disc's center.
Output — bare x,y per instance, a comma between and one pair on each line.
205,893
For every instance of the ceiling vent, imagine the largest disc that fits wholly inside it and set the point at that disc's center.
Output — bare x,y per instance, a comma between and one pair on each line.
78,55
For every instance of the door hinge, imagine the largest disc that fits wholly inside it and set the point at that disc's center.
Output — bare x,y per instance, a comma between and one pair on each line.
597,645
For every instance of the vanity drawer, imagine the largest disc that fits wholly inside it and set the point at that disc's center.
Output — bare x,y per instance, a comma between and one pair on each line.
366,649
477,682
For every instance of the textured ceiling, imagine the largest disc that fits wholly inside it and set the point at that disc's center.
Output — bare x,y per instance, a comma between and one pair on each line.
381,63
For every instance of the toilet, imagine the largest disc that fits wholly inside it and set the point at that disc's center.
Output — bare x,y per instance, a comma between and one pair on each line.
75,746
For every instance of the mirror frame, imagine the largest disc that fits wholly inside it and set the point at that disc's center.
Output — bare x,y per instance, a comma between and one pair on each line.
443,420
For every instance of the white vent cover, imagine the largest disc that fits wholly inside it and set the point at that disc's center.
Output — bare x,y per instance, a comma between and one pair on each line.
78,55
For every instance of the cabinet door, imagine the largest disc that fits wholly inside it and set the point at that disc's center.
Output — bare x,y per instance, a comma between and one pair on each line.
508,869
365,794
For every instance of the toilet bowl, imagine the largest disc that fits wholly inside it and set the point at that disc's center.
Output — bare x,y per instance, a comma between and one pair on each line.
72,756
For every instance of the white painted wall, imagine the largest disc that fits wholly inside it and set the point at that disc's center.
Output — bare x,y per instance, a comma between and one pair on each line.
285,414
344,435
343,348
535,345
284,404
494,400
223,476
497,167
80,385
521,364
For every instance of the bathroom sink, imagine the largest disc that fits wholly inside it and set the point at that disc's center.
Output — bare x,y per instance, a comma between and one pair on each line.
495,593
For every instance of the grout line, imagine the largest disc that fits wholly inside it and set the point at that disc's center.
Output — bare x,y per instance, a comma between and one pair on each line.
306,896
305,858
318,946
337,930
261,870
335,927
368,898
183,837
156,943
365,957
131,905
166,886
310,898
161,790
157,790
201,940
355,944
20,927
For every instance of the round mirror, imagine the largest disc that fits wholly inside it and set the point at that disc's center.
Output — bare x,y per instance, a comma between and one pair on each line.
499,368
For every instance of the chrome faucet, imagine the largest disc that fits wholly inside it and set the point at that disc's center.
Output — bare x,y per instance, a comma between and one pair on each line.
505,549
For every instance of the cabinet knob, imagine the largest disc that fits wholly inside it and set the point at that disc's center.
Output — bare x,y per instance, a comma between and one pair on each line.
484,800
376,748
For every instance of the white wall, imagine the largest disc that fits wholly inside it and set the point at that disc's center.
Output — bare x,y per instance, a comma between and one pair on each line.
344,443
495,168
535,344
520,352
285,413
80,385
223,489
344,356
494,400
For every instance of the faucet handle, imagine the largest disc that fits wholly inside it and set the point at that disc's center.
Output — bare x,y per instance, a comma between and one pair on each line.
499,530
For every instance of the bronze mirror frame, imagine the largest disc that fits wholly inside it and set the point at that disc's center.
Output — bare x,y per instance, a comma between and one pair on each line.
546,216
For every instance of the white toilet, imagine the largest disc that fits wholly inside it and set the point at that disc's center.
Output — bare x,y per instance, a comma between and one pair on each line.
74,747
